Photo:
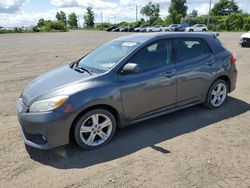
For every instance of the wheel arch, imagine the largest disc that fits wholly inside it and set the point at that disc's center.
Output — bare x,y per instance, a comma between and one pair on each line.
224,77
109,108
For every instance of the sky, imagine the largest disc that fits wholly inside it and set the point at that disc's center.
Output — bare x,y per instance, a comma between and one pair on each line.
15,13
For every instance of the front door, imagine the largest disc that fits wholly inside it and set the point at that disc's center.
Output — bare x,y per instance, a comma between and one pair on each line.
154,87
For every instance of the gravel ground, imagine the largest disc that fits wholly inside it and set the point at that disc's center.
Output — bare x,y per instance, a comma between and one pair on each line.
195,147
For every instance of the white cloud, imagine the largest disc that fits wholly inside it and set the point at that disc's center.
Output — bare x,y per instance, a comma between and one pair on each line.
10,6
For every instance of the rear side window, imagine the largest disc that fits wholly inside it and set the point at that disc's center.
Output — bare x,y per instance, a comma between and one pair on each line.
189,48
154,55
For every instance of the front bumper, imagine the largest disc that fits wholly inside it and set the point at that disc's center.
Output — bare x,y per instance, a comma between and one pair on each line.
245,42
44,130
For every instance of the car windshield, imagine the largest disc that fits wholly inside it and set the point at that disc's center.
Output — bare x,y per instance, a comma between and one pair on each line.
105,57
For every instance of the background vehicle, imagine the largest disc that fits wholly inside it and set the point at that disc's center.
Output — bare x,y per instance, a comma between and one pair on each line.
156,28
143,28
245,39
197,28
171,27
180,28
111,28
129,79
117,29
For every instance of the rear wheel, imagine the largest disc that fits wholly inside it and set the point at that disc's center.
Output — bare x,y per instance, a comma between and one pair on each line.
191,30
94,129
204,30
217,94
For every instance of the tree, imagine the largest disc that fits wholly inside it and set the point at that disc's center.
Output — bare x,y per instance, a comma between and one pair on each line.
152,11
224,8
89,17
41,22
177,10
61,16
194,13
72,20
190,18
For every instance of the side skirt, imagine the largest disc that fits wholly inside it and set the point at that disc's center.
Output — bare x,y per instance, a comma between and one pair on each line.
161,113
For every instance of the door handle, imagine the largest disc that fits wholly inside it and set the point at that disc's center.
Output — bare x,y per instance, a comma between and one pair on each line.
210,62
168,74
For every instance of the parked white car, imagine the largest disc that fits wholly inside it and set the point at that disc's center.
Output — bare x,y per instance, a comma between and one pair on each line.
245,39
197,28
156,28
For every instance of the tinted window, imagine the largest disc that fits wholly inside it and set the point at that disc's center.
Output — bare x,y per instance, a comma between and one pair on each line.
189,48
152,56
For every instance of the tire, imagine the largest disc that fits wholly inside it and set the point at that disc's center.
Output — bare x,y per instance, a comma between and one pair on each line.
217,94
167,30
204,30
91,135
191,30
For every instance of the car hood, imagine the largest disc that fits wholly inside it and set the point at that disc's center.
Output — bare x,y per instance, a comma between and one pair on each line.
59,81
246,35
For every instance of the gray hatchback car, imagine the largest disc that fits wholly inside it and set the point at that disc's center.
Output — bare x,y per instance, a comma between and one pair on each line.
127,80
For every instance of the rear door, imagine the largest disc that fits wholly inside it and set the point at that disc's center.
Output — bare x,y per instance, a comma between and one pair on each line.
154,87
195,67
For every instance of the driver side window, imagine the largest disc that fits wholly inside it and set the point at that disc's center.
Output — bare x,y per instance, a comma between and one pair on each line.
154,55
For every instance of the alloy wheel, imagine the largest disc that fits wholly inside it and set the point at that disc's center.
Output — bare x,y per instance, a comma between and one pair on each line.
96,129
218,94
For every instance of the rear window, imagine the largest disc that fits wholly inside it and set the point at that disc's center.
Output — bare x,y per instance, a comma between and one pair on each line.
189,48
219,46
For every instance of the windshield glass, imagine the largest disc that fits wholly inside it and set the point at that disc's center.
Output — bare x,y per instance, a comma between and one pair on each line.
105,57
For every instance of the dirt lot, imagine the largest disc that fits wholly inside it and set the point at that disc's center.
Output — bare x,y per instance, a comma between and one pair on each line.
195,147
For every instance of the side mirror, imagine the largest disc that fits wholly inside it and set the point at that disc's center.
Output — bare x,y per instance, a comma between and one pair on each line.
130,68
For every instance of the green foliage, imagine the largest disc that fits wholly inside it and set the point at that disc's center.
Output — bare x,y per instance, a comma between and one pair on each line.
177,10
152,11
55,26
41,22
48,26
225,7
89,17
72,20
61,17
103,26
233,22
246,23
158,21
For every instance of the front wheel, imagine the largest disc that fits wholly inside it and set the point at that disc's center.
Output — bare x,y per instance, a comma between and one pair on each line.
94,129
217,94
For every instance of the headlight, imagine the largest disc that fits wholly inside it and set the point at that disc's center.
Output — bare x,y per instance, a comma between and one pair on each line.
48,104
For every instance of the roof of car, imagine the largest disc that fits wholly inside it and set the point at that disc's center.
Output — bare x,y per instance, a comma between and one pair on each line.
143,37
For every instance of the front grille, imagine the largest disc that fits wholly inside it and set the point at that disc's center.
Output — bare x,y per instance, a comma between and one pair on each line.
246,40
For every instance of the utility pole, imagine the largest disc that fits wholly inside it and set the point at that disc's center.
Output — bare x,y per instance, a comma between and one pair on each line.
208,17
136,13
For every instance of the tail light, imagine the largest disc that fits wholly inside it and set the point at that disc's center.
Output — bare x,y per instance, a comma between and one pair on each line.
232,58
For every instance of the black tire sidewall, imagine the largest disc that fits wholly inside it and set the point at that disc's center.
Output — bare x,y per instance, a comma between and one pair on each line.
83,118
208,102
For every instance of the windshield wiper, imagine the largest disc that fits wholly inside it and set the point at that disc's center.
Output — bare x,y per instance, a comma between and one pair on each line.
75,63
82,70
79,69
